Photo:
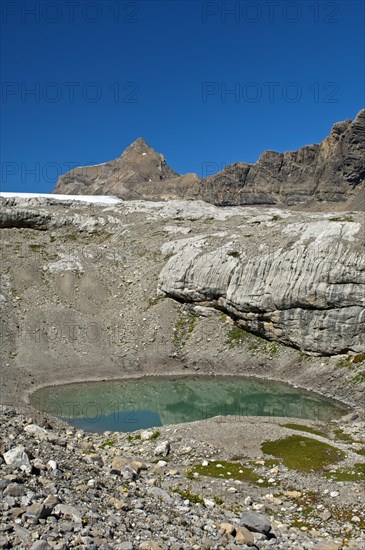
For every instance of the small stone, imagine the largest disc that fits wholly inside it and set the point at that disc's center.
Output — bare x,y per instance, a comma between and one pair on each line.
52,465
49,504
36,431
23,534
325,515
244,536
41,545
162,449
17,512
227,528
293,494
68,511
118,465
150,545
138,466
118,503
18,458
146,435
38,465
35,512
125,546
14,490
256,522
328,546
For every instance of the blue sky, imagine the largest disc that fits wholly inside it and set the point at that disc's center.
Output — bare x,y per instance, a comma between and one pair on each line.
205,83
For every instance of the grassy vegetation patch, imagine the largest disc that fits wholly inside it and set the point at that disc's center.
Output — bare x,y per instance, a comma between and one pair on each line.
183,328
237,336
186,494
302,453
227,470
108,443
302,428
359,378
36,247
304,356
154,301
346,218
359,358
354,363
352,473
340,435
133,437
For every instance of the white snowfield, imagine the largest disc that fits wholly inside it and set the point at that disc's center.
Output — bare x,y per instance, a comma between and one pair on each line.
99,199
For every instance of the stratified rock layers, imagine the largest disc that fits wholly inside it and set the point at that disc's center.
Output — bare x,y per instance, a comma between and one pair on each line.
310,294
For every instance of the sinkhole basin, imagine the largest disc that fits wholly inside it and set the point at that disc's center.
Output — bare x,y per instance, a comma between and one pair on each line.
133,404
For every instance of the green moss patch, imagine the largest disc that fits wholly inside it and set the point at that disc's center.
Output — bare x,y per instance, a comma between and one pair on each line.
340,435
183,329
302,428
131,437
188,495
108,443
352,473
228,470
302,453
359,378
354,363
237,336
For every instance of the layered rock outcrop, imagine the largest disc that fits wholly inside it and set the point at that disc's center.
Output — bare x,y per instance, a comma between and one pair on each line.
308,291
332,171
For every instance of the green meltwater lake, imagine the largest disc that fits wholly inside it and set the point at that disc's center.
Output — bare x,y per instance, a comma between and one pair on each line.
133,404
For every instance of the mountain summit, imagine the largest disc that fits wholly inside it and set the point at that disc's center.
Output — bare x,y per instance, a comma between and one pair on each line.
126,176
332,171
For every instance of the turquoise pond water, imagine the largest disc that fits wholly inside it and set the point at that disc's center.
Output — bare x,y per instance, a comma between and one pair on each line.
134,404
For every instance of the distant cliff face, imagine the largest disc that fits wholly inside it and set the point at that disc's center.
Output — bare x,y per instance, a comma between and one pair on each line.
332,171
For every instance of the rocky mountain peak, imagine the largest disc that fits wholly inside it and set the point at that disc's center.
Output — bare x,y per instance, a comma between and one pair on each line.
140,145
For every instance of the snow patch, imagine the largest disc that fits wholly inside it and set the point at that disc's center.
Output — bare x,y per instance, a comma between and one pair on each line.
96,199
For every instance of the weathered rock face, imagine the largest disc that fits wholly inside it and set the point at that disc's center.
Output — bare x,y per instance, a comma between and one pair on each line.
328,172
308,292
332,171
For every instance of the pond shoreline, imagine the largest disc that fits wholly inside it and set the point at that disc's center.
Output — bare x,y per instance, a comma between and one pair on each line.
336,403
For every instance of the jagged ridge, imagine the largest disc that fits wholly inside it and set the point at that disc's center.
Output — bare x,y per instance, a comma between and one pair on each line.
332,171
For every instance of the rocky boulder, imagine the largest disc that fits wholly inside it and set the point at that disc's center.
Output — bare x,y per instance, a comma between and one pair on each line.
307,291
